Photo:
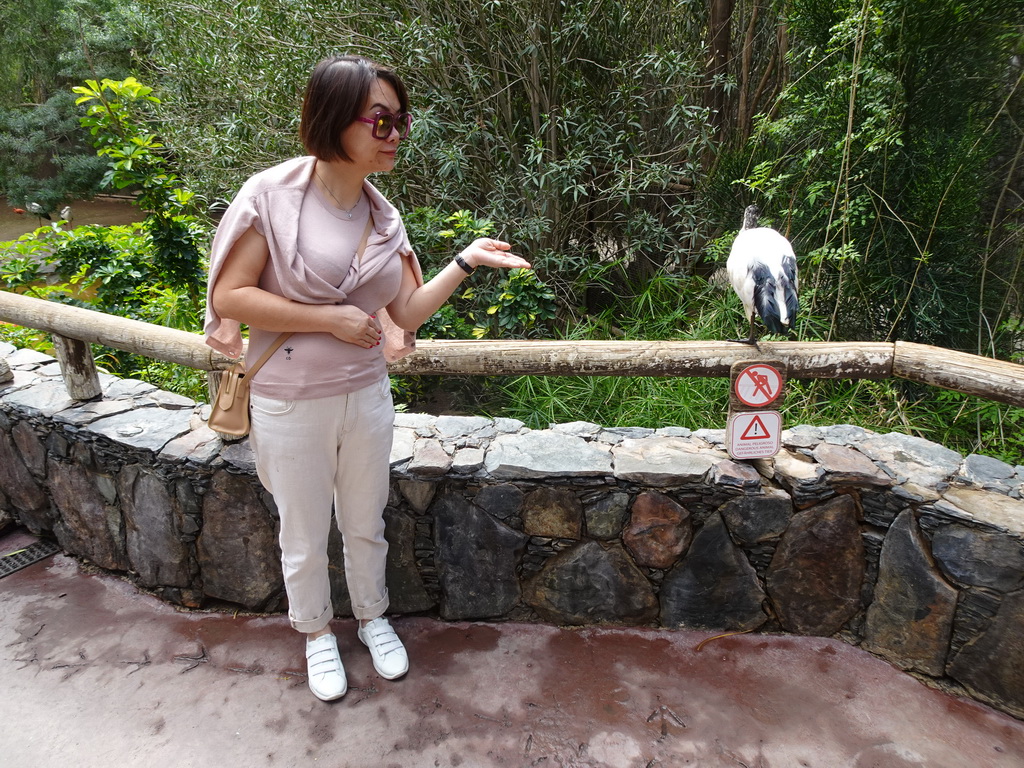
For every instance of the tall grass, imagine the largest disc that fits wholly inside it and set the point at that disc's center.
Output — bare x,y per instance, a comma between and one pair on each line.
677,308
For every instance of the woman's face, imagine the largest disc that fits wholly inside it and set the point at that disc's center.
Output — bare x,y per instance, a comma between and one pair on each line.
370,155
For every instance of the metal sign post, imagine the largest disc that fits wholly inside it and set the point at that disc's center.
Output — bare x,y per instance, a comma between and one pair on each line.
755,427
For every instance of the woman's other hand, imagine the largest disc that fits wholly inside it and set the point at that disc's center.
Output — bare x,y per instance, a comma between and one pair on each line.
485,252
351,324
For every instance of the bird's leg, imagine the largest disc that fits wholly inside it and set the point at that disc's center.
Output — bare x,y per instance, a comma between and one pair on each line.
751,339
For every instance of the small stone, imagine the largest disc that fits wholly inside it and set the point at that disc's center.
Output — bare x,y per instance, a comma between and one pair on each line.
661,461
815,576
984,470
910,620
756,519
843,466
606,516
659,530
979,559
588,584
988,507
714,587
500,501
418,493
403,446
429,459
554,513
466,460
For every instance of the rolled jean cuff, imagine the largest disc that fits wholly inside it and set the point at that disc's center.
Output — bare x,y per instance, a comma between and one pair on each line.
371,612
312,625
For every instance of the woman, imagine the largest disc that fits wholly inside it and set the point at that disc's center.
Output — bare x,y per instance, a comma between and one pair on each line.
310,247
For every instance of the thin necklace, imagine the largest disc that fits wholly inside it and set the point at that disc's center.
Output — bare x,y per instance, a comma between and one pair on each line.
346,211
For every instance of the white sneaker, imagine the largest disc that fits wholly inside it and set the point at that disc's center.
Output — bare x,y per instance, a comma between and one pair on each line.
324,672
389,656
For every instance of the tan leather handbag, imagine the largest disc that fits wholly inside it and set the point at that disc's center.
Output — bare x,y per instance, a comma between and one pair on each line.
229,412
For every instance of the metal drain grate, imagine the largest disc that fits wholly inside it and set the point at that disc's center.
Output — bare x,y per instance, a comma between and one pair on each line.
20,558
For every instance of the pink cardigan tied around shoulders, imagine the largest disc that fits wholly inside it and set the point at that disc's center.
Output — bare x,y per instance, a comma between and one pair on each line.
274,198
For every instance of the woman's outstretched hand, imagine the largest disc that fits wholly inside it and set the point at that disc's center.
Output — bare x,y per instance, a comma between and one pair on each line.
485,252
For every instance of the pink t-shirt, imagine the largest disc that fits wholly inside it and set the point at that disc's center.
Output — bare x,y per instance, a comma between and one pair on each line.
312,365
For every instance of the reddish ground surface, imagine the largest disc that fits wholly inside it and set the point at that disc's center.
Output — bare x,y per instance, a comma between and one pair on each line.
96,673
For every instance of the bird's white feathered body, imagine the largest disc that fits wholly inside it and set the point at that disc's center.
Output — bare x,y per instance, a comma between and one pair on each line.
762,270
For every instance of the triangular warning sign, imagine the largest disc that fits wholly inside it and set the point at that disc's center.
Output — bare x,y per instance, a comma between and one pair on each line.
756,430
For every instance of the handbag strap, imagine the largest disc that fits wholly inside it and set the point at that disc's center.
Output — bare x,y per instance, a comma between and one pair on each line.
284,336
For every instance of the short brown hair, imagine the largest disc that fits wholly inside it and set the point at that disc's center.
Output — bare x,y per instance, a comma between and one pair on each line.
335,96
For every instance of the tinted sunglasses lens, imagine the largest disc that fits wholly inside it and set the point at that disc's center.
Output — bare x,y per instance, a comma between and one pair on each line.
386,123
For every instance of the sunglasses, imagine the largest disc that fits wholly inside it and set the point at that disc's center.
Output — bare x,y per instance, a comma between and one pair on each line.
384,123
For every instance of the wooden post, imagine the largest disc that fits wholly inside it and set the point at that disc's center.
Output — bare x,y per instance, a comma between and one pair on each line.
78,368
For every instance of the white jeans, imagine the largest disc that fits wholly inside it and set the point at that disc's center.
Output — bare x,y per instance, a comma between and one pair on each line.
308,453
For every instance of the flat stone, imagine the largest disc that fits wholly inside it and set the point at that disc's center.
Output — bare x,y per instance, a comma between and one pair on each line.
200,445
86,526
508,426
553,513
846,434
606,516
659,530
419,494
802,436
816,573
414,420
153,527
733,475
27,357
577,428
476,558
591,584
86,413
795,469
170,400
146,428
466,460
454,426
673,432
237,550
756,519
976,558
405,585
912,458
634,433
662,461
992,666
983,470
989,508
844,466
501,501
910,620
239,456
402,446
45,397
31,448
541,453
714,587
429,459
115,388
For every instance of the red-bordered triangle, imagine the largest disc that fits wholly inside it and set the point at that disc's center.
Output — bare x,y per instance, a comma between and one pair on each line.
758,428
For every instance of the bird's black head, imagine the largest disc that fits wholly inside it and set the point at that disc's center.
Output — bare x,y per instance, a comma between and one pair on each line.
750,216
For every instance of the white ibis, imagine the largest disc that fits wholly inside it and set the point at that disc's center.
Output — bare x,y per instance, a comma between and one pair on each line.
38,210
762,270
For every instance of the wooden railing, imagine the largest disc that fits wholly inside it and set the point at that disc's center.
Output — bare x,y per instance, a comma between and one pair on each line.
74,329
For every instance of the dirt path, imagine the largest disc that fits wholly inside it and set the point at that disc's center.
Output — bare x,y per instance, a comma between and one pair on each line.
101,210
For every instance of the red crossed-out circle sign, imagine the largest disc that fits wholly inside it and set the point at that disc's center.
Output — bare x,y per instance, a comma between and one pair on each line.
758,385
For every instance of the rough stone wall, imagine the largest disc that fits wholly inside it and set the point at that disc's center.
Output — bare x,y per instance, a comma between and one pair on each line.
890,542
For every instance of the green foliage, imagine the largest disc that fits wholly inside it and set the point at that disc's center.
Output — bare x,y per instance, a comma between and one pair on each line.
118,117
48,46
881,169
576,127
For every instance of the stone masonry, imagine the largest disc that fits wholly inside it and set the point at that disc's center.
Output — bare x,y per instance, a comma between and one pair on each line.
889,542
